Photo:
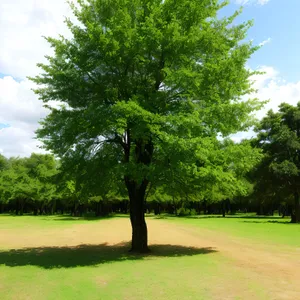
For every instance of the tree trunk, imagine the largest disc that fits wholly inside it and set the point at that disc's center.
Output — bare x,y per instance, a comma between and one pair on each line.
97,213
53,207
21,208
296,212
139,242
223,208
142,155
174,205
205,207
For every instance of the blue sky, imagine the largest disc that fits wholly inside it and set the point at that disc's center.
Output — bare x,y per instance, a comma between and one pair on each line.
278,20
22,23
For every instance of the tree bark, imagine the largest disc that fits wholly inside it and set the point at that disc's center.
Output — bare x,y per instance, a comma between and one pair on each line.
53,207
223,208
296,212
136,192
21,207
142,155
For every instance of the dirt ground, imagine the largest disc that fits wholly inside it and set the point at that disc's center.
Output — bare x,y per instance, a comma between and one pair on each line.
277,268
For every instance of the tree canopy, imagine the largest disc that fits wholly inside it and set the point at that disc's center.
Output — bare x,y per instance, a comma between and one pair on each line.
279,137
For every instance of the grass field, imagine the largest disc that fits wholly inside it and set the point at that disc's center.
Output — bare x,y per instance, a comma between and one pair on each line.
192,258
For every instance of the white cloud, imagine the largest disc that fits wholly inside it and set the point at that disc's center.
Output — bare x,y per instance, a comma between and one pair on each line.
23,23
262,2
248,2
18,141
21,110
268,40
270,86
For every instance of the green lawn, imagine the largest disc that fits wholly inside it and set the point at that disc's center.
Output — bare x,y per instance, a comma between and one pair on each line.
272,230
101,271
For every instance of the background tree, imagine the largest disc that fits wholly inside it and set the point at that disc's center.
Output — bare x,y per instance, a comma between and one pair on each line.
17,185
3,166
29,180
143,83
279,137
42,169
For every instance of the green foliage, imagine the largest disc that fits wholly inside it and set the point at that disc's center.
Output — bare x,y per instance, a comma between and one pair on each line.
279,138
183,211
146,87
279,135
28,179
3,163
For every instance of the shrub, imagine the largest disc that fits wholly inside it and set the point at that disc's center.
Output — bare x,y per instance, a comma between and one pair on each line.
182,211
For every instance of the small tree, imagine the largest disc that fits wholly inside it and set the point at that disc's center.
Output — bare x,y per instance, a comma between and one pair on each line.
142,82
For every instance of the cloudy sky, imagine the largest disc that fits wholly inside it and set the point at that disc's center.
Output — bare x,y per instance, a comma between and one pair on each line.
24,22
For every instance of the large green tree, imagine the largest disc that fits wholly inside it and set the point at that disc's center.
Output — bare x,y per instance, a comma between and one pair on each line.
279,137
146,85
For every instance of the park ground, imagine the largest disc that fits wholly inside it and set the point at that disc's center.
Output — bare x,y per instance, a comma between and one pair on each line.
61,257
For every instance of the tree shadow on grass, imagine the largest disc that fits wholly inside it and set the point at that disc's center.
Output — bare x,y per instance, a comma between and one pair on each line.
89,255
162,216
86,218
254,217
257,217
286,222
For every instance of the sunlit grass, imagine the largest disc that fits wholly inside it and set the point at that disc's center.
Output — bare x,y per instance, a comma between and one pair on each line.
104,271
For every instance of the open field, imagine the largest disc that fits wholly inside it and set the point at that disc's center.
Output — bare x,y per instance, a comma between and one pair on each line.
201,258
